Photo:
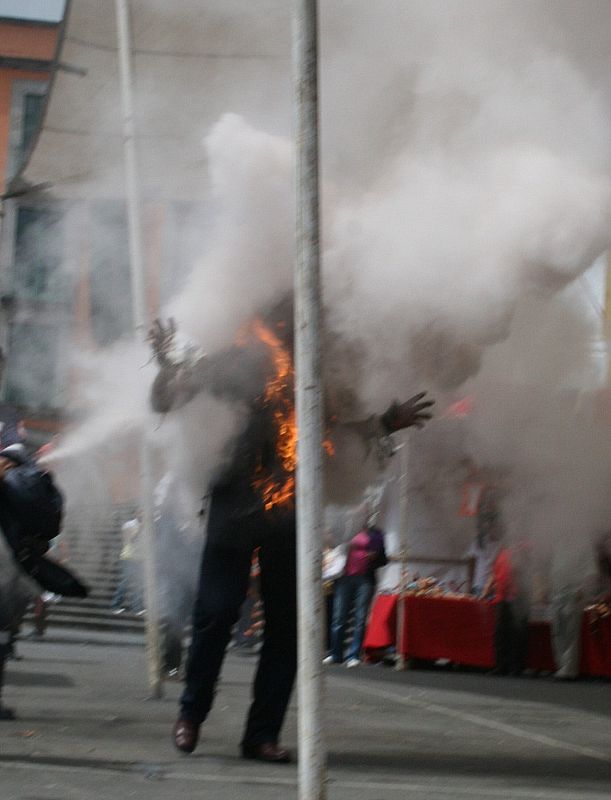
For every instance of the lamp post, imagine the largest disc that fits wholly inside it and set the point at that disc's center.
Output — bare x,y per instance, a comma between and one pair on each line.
312,757
141,321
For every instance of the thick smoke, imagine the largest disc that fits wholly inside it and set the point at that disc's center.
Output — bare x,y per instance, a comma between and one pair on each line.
465,167
248,263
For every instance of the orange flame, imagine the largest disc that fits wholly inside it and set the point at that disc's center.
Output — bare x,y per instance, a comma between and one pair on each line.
277,491
274,490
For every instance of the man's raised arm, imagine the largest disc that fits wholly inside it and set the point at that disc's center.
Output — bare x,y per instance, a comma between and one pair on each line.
179,378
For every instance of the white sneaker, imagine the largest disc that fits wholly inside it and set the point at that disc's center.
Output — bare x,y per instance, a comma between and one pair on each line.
328,660
352,662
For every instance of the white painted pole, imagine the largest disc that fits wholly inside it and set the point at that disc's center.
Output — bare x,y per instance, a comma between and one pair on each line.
141,321
403,480
312,757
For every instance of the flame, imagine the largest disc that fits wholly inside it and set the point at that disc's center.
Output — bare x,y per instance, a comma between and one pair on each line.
278,490
279,396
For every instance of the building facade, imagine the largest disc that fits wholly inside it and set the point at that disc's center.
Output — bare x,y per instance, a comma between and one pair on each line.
27,55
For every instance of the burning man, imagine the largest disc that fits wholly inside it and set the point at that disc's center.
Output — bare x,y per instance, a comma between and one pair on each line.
252,505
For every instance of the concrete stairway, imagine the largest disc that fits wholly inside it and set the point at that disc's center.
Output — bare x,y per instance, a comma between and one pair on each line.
91,542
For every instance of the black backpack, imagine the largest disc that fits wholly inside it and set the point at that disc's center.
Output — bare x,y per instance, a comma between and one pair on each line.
35,503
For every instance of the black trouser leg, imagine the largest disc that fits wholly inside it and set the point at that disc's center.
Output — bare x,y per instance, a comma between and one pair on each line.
329,619
223,582
278,660
503,637
520,641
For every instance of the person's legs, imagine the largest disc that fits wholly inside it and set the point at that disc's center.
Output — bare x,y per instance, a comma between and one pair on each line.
171,636
503,638
278,660
363,595
40,616
5,636
223,582
341,609
135,584
329,601
118,601
566,634
520,637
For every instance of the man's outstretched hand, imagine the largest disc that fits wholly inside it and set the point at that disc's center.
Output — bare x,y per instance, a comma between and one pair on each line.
161,338
413,413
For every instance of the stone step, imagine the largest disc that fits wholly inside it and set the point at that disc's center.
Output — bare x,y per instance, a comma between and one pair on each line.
103,576
98,623
73,609
93,545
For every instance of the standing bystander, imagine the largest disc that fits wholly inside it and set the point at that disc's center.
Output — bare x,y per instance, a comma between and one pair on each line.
355,590
511,620
128,595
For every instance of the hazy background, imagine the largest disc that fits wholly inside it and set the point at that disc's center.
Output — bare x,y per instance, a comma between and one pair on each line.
465,165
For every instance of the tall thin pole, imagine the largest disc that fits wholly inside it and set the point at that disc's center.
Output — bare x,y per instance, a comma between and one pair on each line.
140,319
607,322
403,481
312,758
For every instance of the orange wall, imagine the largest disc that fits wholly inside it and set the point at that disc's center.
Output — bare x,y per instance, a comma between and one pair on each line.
20,41
27,41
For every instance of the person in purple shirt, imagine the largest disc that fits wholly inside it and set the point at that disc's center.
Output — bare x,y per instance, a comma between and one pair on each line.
354,590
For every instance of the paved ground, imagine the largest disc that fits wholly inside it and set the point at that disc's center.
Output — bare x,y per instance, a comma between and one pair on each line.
86,731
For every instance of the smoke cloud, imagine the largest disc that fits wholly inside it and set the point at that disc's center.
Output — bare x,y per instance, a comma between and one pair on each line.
465,163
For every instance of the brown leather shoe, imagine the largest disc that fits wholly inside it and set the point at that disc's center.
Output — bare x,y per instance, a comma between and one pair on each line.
186,734
266,751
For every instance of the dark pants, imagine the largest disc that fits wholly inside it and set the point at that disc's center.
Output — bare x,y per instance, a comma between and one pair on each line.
223,583
351,591
329,600
510,637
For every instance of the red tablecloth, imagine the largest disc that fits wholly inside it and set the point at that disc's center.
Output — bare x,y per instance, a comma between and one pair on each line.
463,632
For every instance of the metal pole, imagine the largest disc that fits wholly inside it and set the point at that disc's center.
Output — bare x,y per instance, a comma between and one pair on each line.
312,757
140,315
607,322
400,662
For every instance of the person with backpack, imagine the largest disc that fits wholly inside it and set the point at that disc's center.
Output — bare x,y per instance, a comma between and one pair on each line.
31,509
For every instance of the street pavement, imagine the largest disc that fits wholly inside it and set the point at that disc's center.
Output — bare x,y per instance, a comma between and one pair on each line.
86,730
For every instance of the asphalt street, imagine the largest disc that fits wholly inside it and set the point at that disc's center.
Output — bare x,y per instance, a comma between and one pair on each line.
86,730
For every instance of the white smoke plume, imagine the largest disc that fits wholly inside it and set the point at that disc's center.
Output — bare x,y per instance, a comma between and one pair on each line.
465,167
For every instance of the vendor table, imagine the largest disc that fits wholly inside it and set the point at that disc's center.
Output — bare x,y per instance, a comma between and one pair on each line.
462,631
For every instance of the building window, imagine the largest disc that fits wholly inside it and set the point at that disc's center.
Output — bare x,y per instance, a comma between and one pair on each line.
32,114
111,304
38,254
27,105
32,366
